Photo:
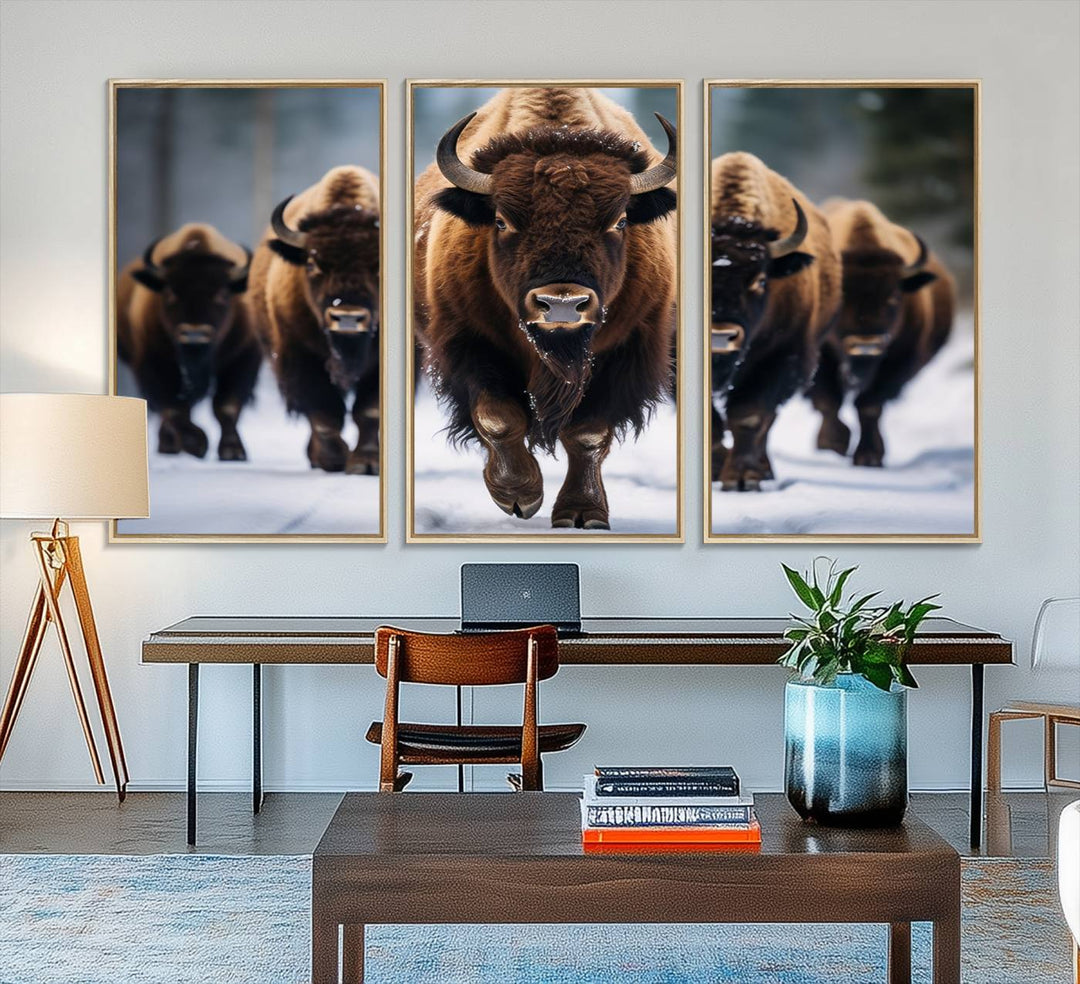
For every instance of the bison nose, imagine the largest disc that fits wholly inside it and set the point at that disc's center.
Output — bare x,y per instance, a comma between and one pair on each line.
349,320
190,334
726,338
865,346
556,306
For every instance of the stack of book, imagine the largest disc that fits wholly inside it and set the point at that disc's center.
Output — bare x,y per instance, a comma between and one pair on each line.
654,806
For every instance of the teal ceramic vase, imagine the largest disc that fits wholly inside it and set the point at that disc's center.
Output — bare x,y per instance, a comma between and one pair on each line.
846,752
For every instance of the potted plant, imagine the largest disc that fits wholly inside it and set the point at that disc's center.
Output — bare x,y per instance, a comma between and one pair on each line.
845,713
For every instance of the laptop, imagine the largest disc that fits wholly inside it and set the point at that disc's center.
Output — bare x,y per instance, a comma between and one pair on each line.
515,596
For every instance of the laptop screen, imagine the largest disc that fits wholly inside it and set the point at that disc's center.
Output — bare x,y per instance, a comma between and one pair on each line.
505,596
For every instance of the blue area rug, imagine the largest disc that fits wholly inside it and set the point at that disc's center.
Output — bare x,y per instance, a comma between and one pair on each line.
245,920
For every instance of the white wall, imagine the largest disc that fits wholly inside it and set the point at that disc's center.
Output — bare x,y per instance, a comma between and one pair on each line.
55,60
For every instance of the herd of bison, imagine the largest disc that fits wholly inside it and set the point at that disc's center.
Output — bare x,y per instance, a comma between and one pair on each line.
544,297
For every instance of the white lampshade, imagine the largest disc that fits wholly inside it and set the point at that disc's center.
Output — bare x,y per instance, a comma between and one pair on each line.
73,456
1055,643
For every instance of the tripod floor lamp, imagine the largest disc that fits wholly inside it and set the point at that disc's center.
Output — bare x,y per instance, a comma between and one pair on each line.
78,457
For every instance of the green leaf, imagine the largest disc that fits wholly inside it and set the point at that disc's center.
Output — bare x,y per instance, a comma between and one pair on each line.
880,676
800,587
903,676
893,617
863,601
838,590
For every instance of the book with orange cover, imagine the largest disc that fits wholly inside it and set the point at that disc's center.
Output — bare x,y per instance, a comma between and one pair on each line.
733,834
695,847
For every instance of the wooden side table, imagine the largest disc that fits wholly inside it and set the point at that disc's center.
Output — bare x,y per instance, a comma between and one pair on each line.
517,858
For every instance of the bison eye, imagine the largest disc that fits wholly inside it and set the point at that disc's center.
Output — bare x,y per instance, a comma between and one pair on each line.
758,286
621,224
500,223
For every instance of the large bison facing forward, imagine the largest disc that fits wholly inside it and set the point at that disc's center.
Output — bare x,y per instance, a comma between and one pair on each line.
315,301
775,290
897,313
182,328
545,288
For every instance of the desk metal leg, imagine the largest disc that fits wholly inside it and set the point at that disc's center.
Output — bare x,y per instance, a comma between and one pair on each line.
192,748
976,753
256,738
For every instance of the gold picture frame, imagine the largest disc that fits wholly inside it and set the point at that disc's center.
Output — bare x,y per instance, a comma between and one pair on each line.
115,86
973,537
538,537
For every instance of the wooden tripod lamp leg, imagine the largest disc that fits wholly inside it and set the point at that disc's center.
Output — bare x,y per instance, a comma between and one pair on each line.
24,667
97,665
53,608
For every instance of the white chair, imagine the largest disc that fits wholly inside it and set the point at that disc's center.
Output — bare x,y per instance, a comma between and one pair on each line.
1055,646
1069,875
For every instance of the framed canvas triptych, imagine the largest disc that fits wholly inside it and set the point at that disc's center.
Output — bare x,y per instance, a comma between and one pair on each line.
543,309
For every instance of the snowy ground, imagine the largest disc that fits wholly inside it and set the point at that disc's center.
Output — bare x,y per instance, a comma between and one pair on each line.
274,491
451,496
926,486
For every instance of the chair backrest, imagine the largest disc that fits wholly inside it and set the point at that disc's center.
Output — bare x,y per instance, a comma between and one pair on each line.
1055,642
470,659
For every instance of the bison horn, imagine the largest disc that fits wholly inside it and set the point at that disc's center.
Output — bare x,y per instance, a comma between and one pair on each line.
920,260
240,272
148,257
791,243
288,236
456,172
660,174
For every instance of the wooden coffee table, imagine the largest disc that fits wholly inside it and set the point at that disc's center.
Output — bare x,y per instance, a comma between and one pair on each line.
517,858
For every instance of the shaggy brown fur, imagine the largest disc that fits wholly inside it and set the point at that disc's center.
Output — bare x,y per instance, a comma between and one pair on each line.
292,291
783,305
890,324
192,289
561,161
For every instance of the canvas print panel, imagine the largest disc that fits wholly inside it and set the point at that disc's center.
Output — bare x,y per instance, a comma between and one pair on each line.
841,335
247,234
545,288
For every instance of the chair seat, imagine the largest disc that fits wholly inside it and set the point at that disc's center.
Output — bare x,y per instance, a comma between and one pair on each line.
1047,710
474,742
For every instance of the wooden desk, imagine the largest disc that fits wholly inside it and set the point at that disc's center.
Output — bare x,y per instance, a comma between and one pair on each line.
517,858
608,641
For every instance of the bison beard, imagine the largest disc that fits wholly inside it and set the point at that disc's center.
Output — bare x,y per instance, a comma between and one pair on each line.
349,355
557,384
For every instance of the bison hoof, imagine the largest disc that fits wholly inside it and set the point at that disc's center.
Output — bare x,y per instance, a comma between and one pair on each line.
168,444
835,437
520,506
362,463
590,519
869,459
765,467
231,451
328,453
194,441
746,484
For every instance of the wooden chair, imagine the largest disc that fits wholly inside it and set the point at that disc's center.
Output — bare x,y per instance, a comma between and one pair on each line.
1055,645
476,660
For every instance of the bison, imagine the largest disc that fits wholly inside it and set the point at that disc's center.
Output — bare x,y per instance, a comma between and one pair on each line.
544,289
183,329
897,312
775,291
315,304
